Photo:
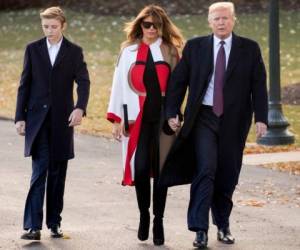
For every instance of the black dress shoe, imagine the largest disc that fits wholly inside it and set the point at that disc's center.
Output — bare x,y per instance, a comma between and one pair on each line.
201,240
31,235
143,232
225,236
158,232
56,232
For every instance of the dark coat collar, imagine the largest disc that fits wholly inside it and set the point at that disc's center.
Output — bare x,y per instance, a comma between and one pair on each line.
235,52
234,55
61,53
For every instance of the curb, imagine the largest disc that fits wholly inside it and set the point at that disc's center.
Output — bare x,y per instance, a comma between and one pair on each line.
3,118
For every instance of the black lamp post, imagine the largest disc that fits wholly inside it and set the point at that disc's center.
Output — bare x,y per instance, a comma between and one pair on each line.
277,133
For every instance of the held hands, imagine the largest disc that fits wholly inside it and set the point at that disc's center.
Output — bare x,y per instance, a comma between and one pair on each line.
75,117
261,129
20,127
174,123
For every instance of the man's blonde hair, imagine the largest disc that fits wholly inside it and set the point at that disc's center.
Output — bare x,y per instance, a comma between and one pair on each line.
54,13
221,5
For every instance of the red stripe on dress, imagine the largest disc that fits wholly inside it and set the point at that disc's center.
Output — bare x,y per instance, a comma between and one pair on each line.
132,144
137,73
135,131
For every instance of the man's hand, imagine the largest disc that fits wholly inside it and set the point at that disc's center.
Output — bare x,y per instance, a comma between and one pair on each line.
174,123
261,129
75,117
117,131
20,127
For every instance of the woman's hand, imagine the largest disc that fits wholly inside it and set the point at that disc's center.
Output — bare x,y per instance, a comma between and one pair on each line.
117,131
125,133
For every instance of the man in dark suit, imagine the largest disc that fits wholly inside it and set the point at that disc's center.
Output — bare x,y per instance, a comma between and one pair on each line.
46,115
226,81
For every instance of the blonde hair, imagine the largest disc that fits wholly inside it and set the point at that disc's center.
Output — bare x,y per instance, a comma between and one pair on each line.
221,5
167,30
54,13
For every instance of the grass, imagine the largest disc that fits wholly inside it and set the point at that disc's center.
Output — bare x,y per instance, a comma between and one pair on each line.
100,38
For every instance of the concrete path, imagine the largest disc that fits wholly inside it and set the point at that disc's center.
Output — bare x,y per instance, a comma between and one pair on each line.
101,214
258,159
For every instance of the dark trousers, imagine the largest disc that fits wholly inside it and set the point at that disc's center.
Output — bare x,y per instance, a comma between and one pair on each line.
44,168
205,136
147,164
222,204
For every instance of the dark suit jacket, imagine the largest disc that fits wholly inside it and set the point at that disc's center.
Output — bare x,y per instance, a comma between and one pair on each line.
244,92
43,88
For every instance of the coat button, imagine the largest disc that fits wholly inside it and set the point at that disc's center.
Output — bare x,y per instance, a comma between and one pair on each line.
45,106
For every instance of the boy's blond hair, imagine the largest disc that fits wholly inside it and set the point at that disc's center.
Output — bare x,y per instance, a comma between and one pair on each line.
54,13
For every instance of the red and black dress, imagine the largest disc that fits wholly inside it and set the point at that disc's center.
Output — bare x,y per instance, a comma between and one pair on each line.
147,152
139,84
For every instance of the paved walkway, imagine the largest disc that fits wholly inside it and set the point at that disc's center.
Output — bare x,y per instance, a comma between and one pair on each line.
101,214
259,159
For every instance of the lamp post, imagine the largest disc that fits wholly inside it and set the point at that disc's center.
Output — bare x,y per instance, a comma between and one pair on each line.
277,133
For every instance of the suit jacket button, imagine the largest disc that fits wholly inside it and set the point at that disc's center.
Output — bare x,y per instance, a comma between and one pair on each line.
45,106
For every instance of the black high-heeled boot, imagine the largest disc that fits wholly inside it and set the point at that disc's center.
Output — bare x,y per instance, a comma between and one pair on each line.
143,232
158,232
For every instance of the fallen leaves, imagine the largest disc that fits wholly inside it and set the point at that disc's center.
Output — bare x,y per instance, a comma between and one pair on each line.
66,237
291,167
251,202
253,148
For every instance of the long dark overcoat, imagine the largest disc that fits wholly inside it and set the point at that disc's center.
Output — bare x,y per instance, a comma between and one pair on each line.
44,88
244,92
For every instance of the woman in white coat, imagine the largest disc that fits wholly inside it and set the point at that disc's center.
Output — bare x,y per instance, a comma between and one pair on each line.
136,106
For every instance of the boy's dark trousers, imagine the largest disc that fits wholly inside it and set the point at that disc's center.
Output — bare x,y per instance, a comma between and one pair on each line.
45,172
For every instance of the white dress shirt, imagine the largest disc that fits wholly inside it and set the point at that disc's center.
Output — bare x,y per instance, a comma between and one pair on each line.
53,50
209,95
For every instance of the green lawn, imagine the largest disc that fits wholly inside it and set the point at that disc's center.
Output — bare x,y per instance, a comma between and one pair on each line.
100,36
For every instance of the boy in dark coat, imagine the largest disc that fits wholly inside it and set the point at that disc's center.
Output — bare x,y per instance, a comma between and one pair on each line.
46,115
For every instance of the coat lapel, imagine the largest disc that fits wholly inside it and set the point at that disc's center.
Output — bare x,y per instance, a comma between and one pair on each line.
206,53
205,57
62,52
44,52
234,55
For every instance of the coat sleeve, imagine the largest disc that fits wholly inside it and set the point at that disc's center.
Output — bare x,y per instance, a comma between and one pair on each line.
259,88
24,88
178,84
83,83
114,112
